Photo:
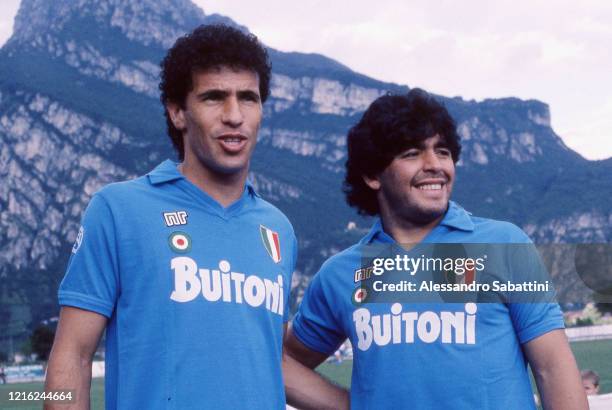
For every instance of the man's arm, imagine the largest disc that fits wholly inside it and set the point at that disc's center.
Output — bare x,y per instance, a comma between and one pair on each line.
305,388
76,340
555,372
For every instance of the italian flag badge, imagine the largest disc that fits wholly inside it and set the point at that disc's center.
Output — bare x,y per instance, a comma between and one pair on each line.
271,242
466,278
179,242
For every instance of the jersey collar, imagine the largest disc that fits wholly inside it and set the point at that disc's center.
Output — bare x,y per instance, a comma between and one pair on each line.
455,218
167,171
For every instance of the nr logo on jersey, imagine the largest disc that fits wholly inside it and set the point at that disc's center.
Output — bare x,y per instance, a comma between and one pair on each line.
271,243
175,218
179,242
363,274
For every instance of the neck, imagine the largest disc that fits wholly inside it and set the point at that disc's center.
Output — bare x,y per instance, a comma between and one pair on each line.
223,188
406,232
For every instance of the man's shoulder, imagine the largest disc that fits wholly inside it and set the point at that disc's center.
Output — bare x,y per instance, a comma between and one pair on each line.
123,190
119,200
493,230
344,261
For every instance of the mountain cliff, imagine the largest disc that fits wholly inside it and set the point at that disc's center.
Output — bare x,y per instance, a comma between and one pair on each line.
79,108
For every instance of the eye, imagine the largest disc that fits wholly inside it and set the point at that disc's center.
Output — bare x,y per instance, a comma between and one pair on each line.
249,97
444,152
212,96
411,153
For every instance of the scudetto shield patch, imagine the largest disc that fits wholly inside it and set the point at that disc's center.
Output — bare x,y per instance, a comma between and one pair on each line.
271,243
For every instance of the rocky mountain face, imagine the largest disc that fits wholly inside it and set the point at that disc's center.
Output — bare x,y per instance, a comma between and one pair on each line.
79,108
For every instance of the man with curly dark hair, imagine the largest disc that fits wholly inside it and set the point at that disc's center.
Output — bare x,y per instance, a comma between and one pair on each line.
208,49
422,353
187,268
391,126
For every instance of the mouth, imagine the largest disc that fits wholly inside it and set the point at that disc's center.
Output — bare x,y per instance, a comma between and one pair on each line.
431,187
232,143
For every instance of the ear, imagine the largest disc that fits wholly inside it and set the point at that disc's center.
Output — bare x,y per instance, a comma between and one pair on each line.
373,183
177,115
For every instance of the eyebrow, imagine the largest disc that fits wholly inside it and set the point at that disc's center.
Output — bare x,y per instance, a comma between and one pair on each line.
219,94
213,93
249,94
442,143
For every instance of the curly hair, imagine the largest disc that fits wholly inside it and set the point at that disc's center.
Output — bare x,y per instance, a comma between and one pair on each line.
208,47
391,125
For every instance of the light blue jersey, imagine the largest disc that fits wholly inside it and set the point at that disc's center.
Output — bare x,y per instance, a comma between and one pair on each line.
426,355
196,294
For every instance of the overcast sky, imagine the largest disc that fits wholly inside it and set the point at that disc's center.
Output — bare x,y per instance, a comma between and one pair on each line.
555,51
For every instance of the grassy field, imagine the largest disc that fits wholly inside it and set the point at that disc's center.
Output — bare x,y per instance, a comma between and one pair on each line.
596,355
97,395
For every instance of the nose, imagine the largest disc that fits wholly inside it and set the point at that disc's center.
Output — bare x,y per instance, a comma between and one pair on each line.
232,114
431,162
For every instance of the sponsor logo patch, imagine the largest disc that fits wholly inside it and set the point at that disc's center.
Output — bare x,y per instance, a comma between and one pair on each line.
175,218
271,243
179,242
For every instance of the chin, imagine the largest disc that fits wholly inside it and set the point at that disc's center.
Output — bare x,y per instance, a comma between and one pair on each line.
428,217
230,168
426,214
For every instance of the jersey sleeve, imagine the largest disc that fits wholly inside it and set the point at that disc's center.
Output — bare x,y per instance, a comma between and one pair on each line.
91,281
315,324
533,313
531,320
